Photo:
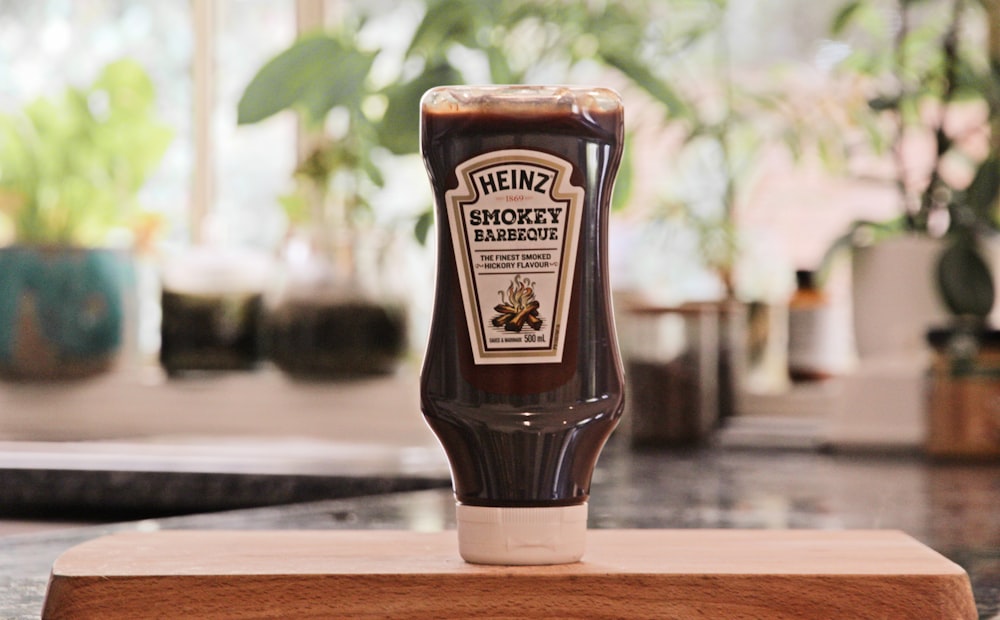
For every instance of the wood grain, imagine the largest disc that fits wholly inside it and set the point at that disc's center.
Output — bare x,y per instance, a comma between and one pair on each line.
666,574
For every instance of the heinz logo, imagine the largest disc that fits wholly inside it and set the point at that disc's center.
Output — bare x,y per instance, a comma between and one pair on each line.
507,178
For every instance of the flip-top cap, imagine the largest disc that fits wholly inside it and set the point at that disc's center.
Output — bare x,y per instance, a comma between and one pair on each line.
521,536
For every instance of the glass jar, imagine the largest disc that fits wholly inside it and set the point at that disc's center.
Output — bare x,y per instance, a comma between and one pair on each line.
331,318
672,367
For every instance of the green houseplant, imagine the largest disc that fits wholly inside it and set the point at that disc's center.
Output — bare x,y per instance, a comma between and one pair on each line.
935,112
945,86
70,169
326,78
332,320
520,41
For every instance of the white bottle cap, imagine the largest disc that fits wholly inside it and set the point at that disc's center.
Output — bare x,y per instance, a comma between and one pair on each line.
521,536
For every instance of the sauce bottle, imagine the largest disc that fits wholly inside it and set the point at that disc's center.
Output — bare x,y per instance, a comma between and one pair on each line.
819,338
522,380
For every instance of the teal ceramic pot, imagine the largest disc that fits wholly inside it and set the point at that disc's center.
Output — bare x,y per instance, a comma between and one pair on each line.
61,311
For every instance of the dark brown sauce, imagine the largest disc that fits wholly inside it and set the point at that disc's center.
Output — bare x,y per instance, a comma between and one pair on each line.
526,434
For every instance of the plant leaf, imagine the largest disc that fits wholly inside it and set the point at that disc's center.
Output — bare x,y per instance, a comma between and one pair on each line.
844,17
623,183
317,73
423,226
343,83
964,280
644,78
883,103
446,23
399,130
983,191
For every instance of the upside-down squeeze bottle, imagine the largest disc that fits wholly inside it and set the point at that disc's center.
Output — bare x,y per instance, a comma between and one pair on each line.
522,380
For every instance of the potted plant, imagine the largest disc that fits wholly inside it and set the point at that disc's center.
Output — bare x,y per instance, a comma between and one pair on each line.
949,92
70,170
332,320
935,110
964,379
326,79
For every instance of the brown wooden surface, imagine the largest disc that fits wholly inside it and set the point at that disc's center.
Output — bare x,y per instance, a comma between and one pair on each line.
732,574
962,410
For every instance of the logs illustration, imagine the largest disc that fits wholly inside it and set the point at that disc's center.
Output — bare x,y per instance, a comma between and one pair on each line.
517,306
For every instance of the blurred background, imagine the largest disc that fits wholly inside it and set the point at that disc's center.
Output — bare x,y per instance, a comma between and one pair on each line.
218,242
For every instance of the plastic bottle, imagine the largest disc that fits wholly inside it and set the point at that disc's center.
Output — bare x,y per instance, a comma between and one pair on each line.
819,340
522,380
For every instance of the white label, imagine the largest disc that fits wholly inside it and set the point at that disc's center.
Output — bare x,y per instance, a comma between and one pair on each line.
515,224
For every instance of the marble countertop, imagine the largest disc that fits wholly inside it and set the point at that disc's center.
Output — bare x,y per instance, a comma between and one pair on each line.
122,446
118,480
949,507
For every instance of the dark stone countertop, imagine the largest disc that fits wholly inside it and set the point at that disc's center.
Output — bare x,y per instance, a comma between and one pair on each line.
950,507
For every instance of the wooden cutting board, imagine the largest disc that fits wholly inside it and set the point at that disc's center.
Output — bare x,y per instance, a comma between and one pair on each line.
663,574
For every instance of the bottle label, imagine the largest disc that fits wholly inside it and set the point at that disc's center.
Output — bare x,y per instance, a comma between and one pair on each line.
515,224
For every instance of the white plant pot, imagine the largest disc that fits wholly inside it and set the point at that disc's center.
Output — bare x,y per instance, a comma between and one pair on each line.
991,252
895,296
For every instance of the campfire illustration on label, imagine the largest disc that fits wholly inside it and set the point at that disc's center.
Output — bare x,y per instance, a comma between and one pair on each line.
517,306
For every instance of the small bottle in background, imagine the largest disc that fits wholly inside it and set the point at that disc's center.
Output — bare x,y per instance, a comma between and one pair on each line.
820,344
